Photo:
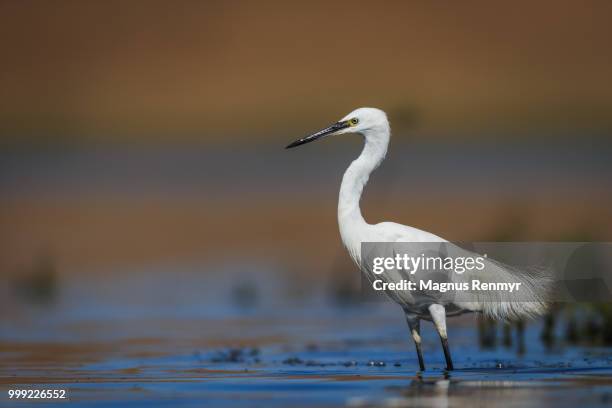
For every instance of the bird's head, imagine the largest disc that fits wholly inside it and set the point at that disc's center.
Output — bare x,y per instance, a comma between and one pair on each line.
370,122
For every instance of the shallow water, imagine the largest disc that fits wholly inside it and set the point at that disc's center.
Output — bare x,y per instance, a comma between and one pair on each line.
126,343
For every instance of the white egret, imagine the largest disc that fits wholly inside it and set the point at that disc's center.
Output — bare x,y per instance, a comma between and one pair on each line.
373,125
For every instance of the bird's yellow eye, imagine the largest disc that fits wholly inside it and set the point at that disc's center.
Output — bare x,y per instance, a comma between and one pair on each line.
354,121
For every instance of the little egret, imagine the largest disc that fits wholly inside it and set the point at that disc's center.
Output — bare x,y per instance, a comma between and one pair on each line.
373,125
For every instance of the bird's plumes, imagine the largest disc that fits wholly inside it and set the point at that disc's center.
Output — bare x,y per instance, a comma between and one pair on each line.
536,285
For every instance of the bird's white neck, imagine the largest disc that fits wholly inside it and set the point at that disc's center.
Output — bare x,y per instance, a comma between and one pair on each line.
355,178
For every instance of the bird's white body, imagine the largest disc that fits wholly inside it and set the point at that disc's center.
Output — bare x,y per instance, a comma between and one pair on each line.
373,125
354,230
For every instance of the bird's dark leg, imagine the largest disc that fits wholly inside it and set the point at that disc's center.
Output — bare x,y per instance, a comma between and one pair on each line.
447,356
438,315
415,330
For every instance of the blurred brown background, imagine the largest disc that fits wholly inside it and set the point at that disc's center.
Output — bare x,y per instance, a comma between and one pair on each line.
212,68
138,133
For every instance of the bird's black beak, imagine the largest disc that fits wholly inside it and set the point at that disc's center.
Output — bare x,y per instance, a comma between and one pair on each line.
325,132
